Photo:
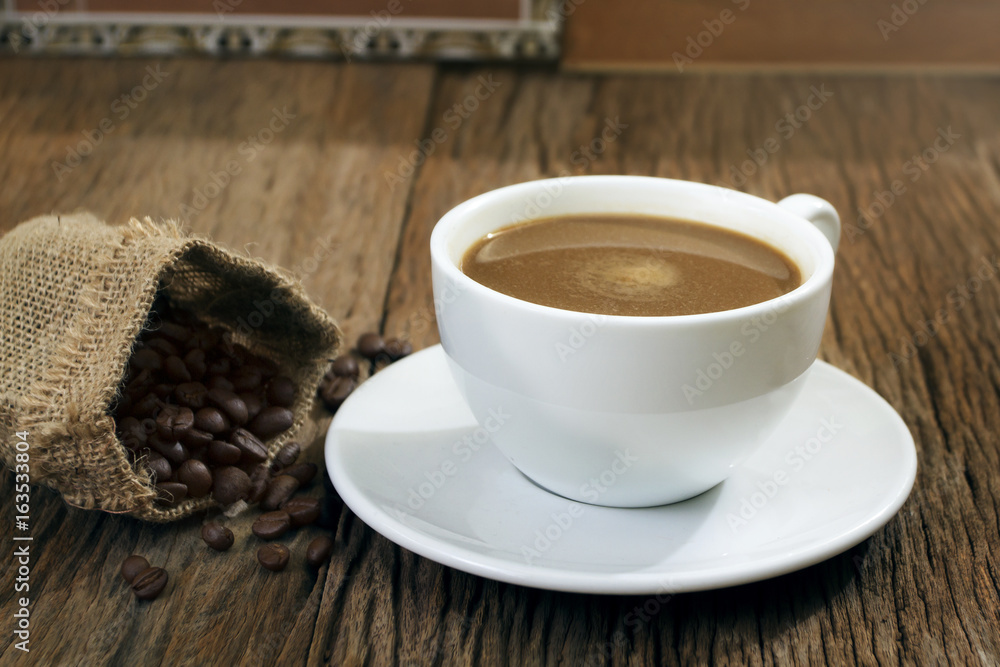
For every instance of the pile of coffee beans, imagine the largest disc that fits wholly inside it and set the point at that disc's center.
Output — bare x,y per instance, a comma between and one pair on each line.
345,371
197,409
147,582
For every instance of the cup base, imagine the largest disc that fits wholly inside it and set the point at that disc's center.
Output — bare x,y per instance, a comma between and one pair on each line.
672,499
627,460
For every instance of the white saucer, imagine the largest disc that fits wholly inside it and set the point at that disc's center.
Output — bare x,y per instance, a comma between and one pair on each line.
401,433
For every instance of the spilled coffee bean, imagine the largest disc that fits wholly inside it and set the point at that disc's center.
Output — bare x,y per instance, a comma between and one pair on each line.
272,525
279,490
217,536
319,550
149,583
396,349
132,566
273,556
286,456
335,391
345,366
342,377
301,511
370,345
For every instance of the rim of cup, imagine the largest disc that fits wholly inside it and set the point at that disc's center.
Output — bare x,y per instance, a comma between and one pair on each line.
822,254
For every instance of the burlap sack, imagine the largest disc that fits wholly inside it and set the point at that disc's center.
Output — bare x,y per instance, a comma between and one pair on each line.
75,294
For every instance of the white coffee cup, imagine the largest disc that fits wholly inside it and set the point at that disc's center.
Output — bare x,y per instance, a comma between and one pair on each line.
631,411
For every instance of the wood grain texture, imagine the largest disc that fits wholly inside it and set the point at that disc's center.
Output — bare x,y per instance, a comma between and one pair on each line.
645,34
923,590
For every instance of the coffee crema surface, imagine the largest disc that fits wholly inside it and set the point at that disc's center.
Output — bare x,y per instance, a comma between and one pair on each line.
624,264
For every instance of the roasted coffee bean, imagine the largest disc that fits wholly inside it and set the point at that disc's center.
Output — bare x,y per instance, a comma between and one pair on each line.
230,484
196,476
132,566
211,420
370,345
279,490
197,439
281,391
220,366
146,359
345,366
247,378
217,536
171,493
201,454
302,511
131,433
196,364
162,346
397,349
304,472
287,455
271,421
319,550
231,405
175,332
173,422
251,448
335,391
173,450
223,453
146,406
162,390
273,556
260,479
219,382
271,525
253,402
191,395
161,468
139,380
149,583
176,369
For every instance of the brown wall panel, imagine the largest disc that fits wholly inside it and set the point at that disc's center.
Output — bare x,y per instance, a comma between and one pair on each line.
601,34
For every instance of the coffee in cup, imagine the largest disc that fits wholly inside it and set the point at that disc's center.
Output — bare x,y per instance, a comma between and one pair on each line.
634,265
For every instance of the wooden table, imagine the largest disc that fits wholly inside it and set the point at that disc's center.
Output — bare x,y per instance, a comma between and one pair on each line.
351,165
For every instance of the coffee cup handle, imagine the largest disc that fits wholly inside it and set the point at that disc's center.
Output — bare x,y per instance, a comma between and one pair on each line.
817,211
